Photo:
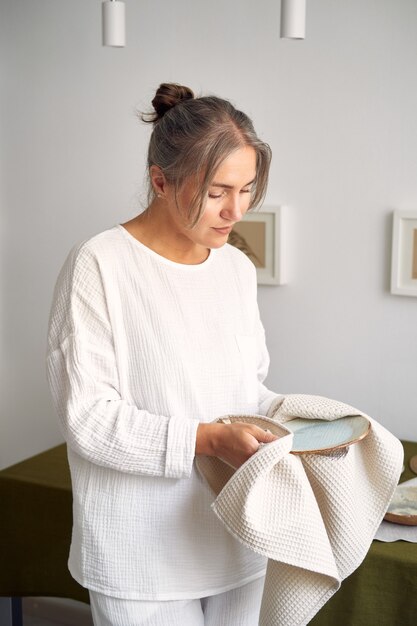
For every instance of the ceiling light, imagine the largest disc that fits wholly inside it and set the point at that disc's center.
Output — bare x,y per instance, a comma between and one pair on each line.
113,19
293,19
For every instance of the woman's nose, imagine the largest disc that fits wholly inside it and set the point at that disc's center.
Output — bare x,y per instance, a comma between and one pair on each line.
233,210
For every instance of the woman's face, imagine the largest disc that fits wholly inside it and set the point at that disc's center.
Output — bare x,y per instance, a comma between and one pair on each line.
227,202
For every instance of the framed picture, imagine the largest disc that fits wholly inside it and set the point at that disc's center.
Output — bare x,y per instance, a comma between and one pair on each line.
404,253
260,235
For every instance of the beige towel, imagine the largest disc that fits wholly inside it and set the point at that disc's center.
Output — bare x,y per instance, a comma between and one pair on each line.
313,516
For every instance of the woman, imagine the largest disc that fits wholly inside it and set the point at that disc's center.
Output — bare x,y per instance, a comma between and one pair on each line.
155,333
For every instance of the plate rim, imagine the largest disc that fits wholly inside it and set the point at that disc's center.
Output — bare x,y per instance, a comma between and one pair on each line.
339,446
404,520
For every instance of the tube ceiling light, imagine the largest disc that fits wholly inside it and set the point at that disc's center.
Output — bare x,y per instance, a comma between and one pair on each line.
293,19
113,21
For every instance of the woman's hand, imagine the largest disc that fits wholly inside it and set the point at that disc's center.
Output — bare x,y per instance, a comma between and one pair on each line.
233,443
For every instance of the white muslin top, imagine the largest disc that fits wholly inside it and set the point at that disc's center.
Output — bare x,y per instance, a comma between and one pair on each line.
140,350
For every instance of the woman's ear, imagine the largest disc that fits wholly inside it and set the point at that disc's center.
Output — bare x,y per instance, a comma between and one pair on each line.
158,180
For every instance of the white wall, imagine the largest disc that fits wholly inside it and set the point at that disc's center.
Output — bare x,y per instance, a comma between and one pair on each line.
339,110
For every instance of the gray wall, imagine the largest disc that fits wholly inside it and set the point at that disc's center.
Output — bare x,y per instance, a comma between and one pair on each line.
339,110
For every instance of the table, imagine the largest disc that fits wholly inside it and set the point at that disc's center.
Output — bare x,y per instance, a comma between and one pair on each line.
35,529
35,534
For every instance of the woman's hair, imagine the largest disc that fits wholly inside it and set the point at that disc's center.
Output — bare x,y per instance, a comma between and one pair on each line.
192,136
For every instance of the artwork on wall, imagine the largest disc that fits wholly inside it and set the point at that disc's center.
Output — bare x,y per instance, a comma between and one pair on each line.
260,235
404,253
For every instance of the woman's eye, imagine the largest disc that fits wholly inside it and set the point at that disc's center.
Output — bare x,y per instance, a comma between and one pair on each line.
223,193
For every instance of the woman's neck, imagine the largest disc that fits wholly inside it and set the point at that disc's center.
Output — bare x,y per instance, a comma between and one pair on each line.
156,231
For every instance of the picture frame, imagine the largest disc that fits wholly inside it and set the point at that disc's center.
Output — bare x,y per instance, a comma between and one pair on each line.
404,253
260,235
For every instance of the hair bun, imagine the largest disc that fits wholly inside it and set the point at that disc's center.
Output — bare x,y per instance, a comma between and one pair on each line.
168,96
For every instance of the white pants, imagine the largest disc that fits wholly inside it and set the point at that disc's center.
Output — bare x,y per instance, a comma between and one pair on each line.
238,607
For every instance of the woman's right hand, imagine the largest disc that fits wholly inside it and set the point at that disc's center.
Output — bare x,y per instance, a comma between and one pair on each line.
233,443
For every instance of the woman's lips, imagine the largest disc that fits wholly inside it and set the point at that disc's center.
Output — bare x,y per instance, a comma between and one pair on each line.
223,231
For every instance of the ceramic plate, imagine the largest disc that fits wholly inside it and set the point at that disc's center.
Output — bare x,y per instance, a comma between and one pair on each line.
403,506
319,436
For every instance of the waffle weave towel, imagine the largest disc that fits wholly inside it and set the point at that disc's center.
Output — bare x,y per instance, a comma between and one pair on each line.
314,516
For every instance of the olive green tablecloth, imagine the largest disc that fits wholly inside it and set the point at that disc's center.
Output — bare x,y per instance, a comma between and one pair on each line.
35,532
35,528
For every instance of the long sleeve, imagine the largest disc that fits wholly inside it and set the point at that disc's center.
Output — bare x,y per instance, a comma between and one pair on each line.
97,422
